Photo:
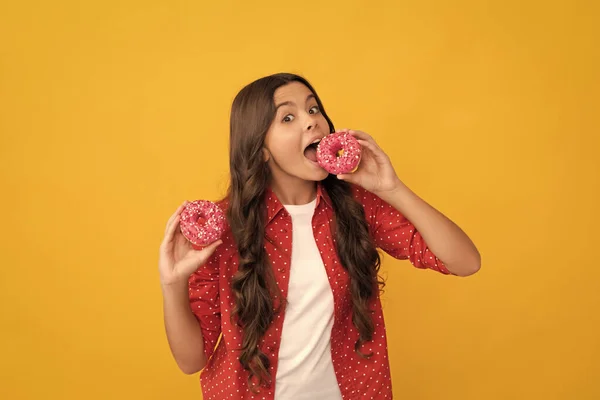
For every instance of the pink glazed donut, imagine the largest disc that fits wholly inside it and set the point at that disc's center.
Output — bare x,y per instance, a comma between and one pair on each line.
329,157
202,222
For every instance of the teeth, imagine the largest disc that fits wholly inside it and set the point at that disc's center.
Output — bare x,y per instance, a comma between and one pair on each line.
316,141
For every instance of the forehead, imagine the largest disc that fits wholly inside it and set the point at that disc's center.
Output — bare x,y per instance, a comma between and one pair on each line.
293,91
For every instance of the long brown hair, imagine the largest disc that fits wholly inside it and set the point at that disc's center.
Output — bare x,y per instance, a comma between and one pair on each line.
254,285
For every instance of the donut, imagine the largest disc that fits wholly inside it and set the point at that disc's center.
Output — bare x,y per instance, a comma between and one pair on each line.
339,153
202,222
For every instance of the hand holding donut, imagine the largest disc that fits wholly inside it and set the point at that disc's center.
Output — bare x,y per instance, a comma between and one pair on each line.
178,258
375,172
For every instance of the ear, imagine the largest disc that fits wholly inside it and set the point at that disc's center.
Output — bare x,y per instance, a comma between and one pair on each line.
266,154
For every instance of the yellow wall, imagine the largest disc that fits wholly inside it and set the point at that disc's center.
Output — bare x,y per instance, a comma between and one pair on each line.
112,113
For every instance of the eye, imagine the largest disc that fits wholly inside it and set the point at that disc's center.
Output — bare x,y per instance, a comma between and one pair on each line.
288,118
314,110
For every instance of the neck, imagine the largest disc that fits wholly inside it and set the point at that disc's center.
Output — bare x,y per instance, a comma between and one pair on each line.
299,193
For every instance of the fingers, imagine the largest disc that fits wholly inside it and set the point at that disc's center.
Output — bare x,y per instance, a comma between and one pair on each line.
199,258
173,224
378,154
360,135
170,233
364,136
347,177
175,214
366,143
213,246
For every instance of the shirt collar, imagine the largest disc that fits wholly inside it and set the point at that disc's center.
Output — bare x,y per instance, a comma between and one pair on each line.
274,206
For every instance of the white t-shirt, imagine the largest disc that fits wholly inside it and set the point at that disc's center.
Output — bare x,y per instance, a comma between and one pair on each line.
305,369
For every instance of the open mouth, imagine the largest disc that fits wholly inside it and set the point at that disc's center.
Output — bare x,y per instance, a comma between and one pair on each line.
310,151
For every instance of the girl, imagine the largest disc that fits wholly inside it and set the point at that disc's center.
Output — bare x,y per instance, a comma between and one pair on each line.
286,304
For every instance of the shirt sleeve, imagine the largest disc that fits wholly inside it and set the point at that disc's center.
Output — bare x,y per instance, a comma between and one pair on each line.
396,235
205,303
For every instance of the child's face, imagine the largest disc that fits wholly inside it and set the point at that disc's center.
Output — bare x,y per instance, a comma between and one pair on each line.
298,122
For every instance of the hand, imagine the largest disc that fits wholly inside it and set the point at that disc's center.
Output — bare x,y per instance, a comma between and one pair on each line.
375,172
177,258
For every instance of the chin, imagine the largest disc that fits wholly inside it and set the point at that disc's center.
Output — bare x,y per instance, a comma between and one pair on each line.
323,175
312,172
314,176
318,177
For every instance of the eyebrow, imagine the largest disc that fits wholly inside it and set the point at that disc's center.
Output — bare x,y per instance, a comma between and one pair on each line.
291,103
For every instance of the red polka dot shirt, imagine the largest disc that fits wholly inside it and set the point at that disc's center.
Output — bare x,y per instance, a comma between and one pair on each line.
212,301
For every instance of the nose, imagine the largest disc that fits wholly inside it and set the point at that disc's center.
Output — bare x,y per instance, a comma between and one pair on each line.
310,123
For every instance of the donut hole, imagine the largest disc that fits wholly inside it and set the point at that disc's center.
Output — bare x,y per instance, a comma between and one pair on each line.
337,149
201,220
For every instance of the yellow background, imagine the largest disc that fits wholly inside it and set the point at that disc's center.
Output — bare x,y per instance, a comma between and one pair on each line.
113,112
